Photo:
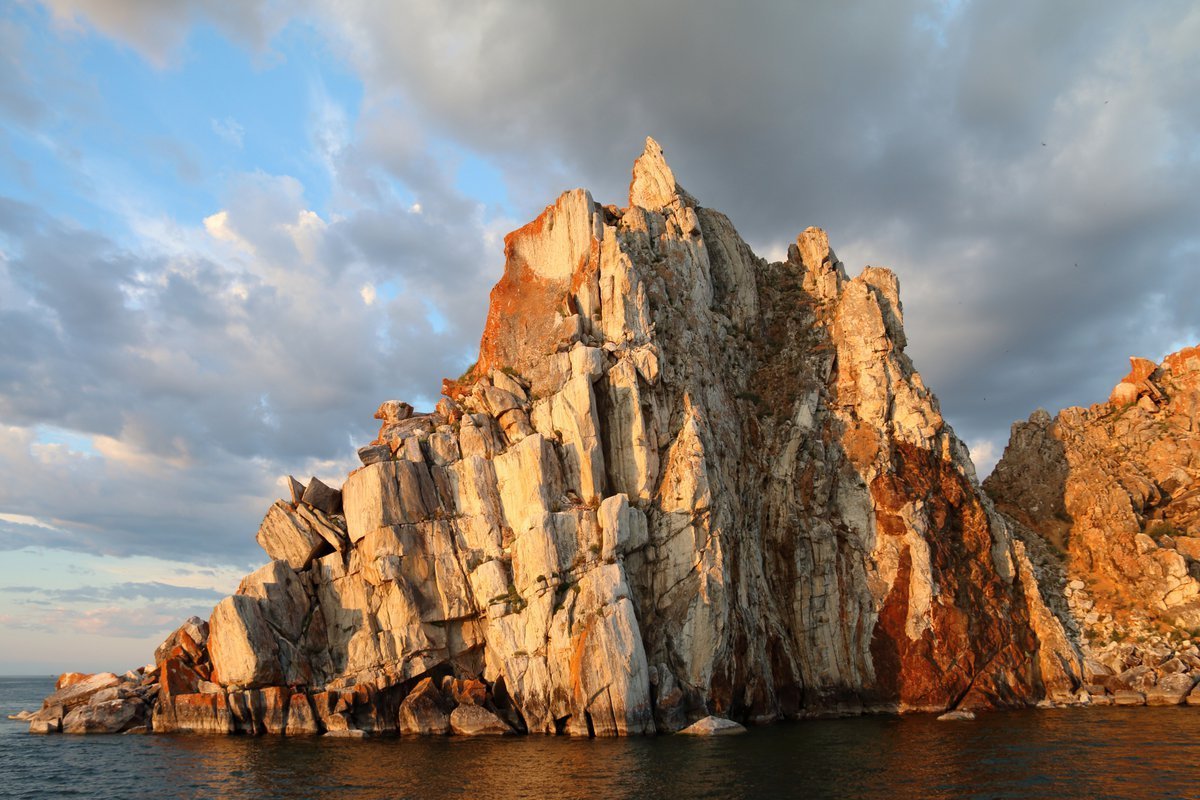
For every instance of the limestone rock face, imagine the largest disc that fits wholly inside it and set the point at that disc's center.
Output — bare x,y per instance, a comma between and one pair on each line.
679,482
1111,495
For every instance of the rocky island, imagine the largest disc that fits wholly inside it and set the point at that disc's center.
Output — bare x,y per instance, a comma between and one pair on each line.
683,482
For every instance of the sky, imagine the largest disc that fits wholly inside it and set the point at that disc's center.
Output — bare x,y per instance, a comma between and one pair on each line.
228,231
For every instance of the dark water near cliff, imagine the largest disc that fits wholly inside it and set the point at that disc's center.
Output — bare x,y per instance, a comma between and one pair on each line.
1096,753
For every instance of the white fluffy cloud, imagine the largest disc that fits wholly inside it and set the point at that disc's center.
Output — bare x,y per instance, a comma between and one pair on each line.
192,371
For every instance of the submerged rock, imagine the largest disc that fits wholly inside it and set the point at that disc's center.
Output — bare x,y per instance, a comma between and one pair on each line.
713,726
957,715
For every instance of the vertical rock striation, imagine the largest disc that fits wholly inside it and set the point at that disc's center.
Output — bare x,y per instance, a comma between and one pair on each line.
680,481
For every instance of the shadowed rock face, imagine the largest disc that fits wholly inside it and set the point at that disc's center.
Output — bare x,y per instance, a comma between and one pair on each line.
679,482
1113,490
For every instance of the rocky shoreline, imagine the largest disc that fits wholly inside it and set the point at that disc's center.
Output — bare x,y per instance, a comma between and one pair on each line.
130,703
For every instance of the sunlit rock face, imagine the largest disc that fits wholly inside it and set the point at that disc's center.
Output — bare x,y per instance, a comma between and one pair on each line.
1112,492
680,482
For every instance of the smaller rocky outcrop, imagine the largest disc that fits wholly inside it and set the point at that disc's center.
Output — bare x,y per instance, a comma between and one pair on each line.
99,703
1107,500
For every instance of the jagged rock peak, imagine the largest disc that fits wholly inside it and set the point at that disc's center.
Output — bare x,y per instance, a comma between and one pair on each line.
653,185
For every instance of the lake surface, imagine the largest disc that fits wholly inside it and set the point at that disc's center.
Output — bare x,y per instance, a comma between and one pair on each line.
1095,753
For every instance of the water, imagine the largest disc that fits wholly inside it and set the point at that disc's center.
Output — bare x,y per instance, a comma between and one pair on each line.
1094,753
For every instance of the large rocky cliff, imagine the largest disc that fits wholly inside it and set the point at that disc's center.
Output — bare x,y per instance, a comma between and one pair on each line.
1109,495
679,481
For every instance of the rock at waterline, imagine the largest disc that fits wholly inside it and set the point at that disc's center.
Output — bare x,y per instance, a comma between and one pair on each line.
423,712
477,721
713,726
957,715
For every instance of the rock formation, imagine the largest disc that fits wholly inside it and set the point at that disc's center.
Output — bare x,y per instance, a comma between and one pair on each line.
1108,497
679,482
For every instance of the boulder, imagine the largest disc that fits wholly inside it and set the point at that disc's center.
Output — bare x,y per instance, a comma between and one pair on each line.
1126,697
112,716
713,726
70,679
477,721
177,677
1140,678
1123,394
346,733
45,726
79,692
242,644
322,497
47,720
424,711
467,691
957,715
1171,690
285,534
393,412
275,706
191,637
374,454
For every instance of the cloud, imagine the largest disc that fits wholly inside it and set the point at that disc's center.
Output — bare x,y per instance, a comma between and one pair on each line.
127,591
28,521
985,454
17,102
160,28
194,374
186,369
120,621
229,130
1027,169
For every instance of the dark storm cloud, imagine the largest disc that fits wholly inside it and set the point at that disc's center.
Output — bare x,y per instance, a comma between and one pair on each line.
1027,168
